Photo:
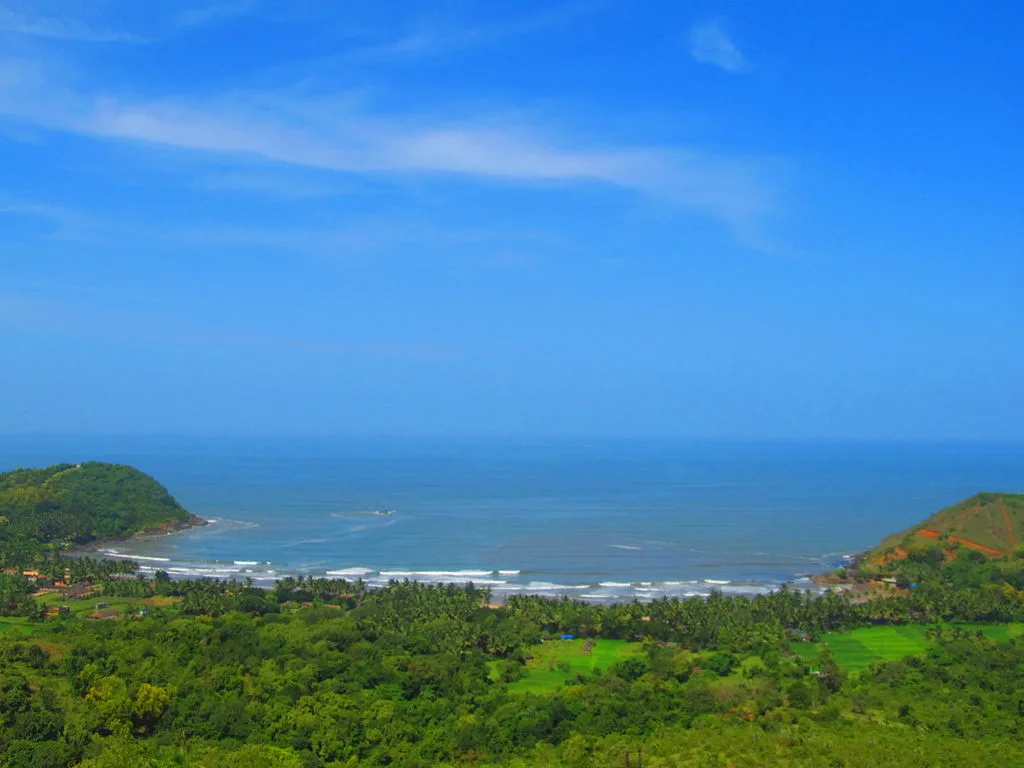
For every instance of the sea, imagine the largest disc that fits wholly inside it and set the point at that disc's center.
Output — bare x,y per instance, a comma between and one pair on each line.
595,520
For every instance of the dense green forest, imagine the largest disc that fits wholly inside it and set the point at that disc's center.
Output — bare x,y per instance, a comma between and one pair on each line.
120,669
418,675
45,509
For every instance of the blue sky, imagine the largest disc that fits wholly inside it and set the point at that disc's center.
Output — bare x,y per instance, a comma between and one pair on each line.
673,219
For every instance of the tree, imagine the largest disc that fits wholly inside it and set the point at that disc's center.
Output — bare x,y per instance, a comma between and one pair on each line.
150,703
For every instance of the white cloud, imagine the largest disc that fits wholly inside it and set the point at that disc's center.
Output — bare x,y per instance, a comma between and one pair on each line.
337,135
60,27
95,23
709,44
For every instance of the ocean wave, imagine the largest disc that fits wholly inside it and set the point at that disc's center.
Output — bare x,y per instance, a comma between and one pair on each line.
746,589
624,546
126,556
509,573
182,570
351,572
615,584
717,581
246,562
377,581
435,574
546,586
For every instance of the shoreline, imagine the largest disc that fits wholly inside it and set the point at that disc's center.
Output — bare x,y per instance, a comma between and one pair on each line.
165,529
502,583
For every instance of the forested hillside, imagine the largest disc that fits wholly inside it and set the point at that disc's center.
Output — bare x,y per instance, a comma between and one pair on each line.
81,503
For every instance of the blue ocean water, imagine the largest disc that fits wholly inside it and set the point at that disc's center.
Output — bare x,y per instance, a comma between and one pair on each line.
597,520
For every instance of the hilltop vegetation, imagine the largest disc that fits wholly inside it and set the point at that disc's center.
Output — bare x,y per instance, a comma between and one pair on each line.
81,503
990,523
976,541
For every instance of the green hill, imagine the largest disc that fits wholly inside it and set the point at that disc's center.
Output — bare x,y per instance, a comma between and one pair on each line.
989,523
84,502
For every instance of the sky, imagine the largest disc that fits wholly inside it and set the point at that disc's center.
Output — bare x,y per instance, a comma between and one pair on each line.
622,218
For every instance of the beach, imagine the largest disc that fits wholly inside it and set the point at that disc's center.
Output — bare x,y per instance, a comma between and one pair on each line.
596,521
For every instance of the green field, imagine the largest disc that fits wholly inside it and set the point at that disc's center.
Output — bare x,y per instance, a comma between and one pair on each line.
854,651
546,675
12,626
85,606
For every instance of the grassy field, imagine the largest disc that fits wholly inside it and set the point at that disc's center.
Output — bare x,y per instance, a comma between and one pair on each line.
16,626
88,605
546,674
853,651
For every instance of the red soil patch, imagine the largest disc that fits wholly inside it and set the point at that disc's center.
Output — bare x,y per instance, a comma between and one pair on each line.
896,553
930,534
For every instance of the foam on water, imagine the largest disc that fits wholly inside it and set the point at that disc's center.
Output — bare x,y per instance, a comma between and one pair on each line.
503,582
435,574
345,572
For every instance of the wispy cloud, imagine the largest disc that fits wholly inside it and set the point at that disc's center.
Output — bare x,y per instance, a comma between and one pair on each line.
710,45
66,224
440,39
60,27
338,135
209,14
